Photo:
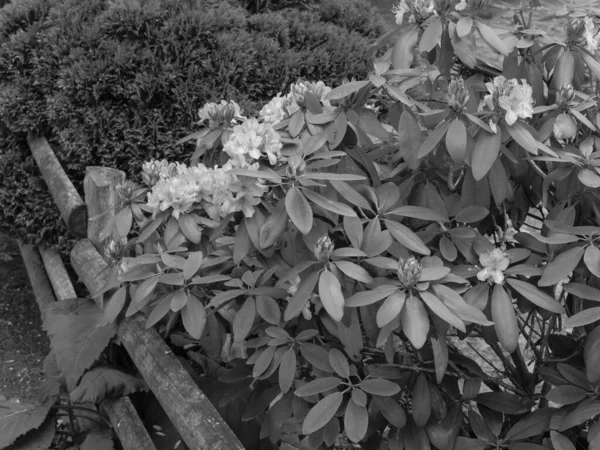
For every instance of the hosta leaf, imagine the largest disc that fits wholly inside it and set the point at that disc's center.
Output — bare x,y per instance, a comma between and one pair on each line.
560,268
322,413
379,386
505,402
318,386
17,419
415,321
78,338
103,382
505,319
299,210
356,421
536,296
331,295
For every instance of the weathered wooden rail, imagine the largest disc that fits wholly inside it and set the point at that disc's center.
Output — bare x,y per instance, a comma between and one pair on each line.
193,416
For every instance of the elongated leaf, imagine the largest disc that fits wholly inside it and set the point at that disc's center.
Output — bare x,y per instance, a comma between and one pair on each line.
190,229
104,382
592,63
350,194
263,361
440,310
591,258
560,441
390,308
534,424
491,38
564,70
535,296
274,226
318,386
485,153
581,414
583,291
299,210
582,318
329,205
354,271
115,305
456,141
561,266
333,176
369,297
379,386
505,402
415,321
331,295
433,139
17,419
472,213
193,316
301,297
566,394
356,421
522,135
470,443
391,410
406,237
322,413
317,356
419,212
505,319
433,273
339,363
268,309
287,370
403,50
345,90
421,401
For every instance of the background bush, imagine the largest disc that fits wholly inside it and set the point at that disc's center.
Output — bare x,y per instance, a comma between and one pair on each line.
115,83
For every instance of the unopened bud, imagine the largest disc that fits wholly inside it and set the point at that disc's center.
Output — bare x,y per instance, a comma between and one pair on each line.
113,250
324,248
565,96
126,190
564,127
220,114
409,272
458,95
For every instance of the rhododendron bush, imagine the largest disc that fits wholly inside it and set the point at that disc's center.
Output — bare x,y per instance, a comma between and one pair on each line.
408,261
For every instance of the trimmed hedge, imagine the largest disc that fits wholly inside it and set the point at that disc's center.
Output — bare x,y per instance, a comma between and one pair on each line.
117,82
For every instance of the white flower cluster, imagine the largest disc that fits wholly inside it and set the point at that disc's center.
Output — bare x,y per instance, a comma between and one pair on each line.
281,107
514,98
494,263
220,114
591,34
218,191
251,140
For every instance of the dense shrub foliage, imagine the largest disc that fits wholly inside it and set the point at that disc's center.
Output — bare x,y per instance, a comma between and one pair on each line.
116,82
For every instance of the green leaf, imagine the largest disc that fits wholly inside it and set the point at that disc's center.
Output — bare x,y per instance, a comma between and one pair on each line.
535,296
581,414
505,402
419,212
327,176
331,295
244,320
404,47
564,69
505,319
77,338
485,153
560,268
318,386
350,194
178,300
391,410
115,305
440,310
592,64
317,356
104,382
329,205
322,413
433,273
268,309
123,221
192,264
301,297
299,210
190,229
369,297
40,439
582,318
287,370
591,258
521,134
379,386
583,291
465,443
566,394
491,38
339,363
263,361
390,308
356,421
406,237
145,289
456,141
589,178
98,440
17,419
560,441
534,424
193,316
410,139
472,213
345,90
433,139
354,271
415,321
421,401
274,226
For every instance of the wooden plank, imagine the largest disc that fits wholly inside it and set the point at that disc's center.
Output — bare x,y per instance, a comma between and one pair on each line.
192,414
99,186
127,424
69,202
125,420
42,288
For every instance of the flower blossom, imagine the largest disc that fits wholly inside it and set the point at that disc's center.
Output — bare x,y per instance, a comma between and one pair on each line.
419,10
275,111
252,140
494,263
514,98
591,35
153,171
178,192
220,114
299,89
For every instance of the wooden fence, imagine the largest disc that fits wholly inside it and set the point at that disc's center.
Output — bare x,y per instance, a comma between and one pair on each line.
191,413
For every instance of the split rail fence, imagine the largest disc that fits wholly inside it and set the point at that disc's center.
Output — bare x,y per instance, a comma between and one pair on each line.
191,413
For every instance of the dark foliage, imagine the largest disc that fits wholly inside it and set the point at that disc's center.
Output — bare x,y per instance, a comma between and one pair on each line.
115,83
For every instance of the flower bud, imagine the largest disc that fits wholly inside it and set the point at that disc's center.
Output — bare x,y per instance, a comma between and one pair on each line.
324,248
220,114
126,191
564,127
409,271
458,94
565,96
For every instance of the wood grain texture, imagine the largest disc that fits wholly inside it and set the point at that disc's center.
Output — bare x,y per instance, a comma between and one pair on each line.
127,424
42,288
57,273
67,199
99,186
192,414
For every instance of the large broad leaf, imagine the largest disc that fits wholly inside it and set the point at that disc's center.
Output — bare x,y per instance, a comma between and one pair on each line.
331,295
561,266
356,421
98,440
77,338
391,410
505,402
560,441
534,424
104,382
407,237
582,413
485,153
535,296
415,321
299,210
39,439
566,394
322,413
505,319
17,419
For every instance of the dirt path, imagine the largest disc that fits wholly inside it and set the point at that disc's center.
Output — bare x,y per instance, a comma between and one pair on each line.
23,343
